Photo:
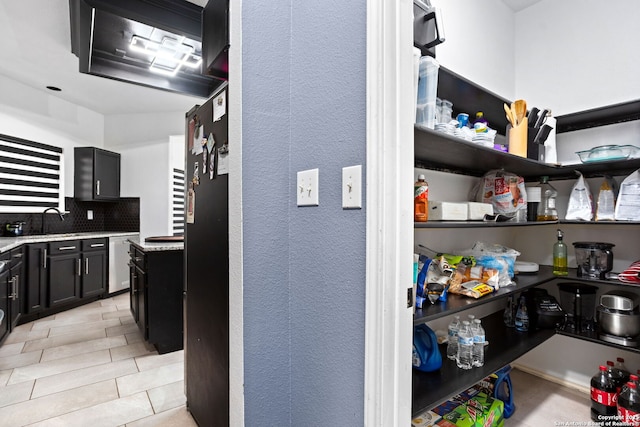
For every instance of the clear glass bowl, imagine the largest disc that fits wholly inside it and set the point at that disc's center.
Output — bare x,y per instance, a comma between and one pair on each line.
608,152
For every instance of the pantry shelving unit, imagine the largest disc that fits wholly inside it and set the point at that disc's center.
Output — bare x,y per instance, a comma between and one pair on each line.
442,152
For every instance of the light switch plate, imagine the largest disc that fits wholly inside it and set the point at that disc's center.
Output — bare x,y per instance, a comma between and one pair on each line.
307,189
352,187
90,214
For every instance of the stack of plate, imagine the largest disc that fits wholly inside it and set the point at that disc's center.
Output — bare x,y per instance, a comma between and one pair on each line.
447,128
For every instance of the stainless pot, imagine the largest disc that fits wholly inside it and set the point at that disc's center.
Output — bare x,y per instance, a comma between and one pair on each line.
620,323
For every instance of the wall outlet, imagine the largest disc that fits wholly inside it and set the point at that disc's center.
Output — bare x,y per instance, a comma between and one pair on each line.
90,214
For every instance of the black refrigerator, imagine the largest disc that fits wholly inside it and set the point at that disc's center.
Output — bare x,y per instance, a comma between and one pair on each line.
206,251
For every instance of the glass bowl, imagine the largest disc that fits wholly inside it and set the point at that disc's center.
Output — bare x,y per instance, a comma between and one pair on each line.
608,152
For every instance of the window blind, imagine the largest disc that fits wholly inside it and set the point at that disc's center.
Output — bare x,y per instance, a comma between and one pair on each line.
30,175
177,202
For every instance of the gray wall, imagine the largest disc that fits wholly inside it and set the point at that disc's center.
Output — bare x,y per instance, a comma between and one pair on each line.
304,267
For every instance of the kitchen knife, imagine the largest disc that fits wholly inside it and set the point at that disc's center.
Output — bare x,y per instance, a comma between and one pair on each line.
542,134
533,116
542,118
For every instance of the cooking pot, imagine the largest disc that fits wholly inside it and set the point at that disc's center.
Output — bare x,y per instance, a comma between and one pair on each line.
618,314
13,229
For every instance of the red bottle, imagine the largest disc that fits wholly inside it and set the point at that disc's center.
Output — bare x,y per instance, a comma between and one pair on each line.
604,396
629,405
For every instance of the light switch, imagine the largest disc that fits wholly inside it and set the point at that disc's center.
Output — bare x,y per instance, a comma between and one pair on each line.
307,190
352,187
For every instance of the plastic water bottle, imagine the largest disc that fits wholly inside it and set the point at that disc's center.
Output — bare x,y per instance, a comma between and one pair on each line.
465,346
522,316
478,343
509,312
452,345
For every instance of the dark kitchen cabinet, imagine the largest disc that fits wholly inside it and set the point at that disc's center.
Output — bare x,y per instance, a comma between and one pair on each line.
96,174
16,285
64,270
156,296
4,297
94,266
36,277
215,39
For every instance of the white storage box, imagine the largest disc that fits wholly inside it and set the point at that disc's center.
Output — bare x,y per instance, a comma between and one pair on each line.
447,211
477,210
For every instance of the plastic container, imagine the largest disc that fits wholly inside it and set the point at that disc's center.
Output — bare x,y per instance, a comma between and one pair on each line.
421,200
464,359
547,207
447,111
522,316
427,90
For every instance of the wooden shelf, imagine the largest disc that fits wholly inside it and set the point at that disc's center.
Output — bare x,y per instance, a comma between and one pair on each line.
505,345
458,303
617,113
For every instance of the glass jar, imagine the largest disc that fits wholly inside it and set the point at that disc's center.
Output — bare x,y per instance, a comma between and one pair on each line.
547,207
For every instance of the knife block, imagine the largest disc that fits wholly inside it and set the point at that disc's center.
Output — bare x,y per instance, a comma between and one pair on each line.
517,138
534,150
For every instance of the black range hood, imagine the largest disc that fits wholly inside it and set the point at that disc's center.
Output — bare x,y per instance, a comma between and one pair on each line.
155,43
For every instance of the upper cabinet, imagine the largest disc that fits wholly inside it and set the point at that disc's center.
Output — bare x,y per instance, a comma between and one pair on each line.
97,174
215,39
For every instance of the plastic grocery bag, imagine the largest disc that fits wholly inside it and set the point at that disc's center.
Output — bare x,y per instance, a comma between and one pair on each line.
606,206
628,203
504,190
580,202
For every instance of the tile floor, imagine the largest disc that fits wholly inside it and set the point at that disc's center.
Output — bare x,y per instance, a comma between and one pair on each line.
89,366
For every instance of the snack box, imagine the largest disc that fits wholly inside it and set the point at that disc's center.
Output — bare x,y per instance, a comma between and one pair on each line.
477,211
479,411
446,407
447,211
426,419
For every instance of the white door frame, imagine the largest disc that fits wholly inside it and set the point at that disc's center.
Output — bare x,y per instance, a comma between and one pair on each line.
389,247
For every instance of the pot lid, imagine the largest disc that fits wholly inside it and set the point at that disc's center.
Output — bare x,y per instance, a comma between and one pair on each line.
593,245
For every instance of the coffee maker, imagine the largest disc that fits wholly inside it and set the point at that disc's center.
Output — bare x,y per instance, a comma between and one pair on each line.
594,259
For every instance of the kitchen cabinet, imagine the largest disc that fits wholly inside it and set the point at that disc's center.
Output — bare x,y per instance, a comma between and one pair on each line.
63,273
4,296
94,265
16,285
97,174
157,296
36,278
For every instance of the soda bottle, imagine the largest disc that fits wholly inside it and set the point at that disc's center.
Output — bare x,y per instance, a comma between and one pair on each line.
478,343
421,200
452,340
465,346
616,375
628,405
522,316
620,366
604,395
633,378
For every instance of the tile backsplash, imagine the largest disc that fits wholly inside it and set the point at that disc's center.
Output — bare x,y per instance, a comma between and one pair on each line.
123,215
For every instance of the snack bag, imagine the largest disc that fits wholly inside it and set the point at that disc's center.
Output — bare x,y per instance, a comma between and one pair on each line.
580,202
628,203
504,190
605,208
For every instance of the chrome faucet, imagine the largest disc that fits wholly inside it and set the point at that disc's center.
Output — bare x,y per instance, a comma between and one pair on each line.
60,214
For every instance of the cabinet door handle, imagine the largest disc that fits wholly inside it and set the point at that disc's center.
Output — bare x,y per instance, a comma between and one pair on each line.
44,258
18,255
97,245
138,258
17,286
86,266
66,248
79,264
98,187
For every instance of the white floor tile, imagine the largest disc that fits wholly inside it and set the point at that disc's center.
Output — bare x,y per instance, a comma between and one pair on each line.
26,336
11,349
82,347
83,326
22,359
78,337
134,383
171,418
108,414
167,396
16,393
4,376
157,360
132,350
81,377
58,366
53,405
121,329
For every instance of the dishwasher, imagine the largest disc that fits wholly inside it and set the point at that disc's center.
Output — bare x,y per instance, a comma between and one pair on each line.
118,263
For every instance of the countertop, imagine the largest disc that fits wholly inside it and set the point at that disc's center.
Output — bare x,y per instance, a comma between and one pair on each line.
156,246
8,243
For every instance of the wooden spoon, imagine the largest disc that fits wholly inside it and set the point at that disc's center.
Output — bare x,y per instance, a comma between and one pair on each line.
521,109
509,114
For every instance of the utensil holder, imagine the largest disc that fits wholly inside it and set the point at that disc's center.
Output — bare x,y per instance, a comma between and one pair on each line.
517,138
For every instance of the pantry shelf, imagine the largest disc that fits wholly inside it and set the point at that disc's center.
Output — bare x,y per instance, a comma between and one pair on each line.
458,303
592,336
607,223
505,345
477,224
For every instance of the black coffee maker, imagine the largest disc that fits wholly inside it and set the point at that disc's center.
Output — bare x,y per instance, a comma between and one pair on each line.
578,300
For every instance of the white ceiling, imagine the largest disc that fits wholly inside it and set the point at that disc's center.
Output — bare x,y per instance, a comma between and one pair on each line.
518,5
35,49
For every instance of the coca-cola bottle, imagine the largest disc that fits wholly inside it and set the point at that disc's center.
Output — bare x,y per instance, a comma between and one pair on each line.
616,375
604,395
633,378
622,368
629,405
